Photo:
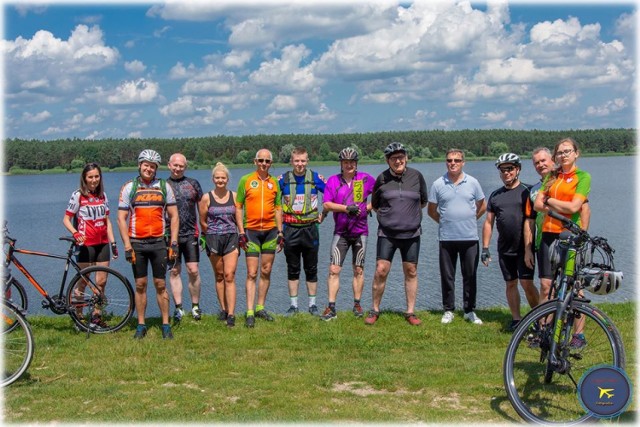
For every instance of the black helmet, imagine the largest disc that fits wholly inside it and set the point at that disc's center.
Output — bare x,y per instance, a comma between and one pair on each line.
508,158
348,154
394,147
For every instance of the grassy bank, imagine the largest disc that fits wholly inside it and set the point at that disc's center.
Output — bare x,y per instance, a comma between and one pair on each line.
294,369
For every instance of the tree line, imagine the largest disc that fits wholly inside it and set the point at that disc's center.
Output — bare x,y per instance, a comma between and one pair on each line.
73,153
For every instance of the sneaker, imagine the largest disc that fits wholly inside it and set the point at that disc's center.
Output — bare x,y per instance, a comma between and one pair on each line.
166,332
513,325
231,321
473,318
141,332
328,315
177,314
357,309
447,317
578,342
314,310
262,314
250,322
196,313
293,310
222,316
96,321
412,319
372,317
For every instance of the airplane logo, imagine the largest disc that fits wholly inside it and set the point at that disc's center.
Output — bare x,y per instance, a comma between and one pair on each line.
606,391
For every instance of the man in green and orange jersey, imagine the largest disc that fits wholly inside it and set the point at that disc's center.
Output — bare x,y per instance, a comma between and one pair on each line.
259,218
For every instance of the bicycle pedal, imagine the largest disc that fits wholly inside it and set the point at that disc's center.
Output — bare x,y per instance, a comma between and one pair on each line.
46,305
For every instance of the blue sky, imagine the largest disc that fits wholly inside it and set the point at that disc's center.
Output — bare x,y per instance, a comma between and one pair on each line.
188,69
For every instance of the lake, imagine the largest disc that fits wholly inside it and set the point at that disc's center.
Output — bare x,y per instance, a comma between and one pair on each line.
35,204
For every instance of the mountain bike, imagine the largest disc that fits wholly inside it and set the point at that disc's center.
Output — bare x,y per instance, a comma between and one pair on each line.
17,343
543,363
98,298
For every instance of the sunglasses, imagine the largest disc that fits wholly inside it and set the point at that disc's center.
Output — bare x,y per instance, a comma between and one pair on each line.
454,160
267,161
507,169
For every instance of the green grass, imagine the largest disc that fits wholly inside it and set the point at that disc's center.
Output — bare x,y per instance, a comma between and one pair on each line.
294,369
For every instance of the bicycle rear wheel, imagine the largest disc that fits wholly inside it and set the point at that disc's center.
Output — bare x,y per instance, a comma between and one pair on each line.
100,299
536,395
17,344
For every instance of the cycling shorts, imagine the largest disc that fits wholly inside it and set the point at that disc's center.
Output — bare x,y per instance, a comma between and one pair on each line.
188,249
513,267
544,255
94,253
409,248
262,242
340,245
222,244
150,251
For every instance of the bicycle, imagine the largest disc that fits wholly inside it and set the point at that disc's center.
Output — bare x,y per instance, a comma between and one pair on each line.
98,299
541,367
17,343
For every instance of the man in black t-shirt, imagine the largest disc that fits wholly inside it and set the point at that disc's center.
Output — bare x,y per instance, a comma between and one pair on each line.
506,208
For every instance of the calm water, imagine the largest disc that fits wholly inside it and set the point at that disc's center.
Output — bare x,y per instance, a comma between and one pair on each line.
34,208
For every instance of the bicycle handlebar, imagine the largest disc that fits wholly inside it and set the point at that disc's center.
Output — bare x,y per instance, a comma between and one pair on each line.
582,234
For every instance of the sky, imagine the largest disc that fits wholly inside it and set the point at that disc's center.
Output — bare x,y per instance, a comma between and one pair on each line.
198,68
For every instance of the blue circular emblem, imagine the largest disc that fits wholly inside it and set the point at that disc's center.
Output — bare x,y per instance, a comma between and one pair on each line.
604,391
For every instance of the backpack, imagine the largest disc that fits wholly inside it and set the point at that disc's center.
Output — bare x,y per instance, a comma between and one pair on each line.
134,188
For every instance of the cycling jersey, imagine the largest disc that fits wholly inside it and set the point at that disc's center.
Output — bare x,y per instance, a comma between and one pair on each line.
355,192
188,193
90,214
146,208
302,207
566,186
509,206
259,198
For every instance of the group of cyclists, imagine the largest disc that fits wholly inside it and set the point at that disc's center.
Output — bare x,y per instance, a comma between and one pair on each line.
162,222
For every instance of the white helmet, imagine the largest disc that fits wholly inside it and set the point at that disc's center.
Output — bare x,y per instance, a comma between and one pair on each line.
599,281
508,158
150,156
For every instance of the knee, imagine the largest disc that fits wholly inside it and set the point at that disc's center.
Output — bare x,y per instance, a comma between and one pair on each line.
358,272
230,277
160,285
334,270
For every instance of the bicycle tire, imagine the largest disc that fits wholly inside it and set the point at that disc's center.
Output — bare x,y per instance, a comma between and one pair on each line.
524,369
18,344
15,293
115,303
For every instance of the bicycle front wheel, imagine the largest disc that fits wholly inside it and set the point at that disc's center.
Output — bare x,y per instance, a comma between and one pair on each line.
17,344
545,397
100,299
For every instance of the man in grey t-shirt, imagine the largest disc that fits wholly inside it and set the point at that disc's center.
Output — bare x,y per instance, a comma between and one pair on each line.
456,202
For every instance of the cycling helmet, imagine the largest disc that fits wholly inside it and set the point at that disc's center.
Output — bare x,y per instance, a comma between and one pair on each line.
508,158
348,154
599,281
394,147
149,156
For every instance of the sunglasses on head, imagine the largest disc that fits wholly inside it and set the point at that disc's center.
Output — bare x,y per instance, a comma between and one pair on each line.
454,160
267,161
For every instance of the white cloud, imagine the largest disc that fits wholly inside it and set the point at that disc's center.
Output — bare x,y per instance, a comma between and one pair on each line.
140,91
135,67
494,116
283,103
36,118
237,58
607,108
285,73
180,107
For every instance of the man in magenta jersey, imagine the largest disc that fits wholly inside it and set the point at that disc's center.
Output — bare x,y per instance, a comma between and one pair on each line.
346,196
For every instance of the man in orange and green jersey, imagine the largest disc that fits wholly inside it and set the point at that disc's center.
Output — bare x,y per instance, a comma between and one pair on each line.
259,218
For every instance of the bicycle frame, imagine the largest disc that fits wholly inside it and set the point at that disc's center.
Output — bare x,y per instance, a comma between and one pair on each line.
49,302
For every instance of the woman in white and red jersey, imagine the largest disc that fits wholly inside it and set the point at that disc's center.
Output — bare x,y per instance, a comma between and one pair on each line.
87,218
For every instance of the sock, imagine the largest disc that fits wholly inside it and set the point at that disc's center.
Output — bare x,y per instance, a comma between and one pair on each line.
166,327
249,313
195,305
332,306
259,307
141,326
294,300
178,306
312,300
356,301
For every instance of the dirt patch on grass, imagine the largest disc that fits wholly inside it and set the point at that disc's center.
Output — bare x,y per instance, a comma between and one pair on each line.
363,389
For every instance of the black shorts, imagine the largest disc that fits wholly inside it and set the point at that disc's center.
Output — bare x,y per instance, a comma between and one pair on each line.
409,248
340,245
544,255
188,249
95,253
261,242
152,251
222,244
513,267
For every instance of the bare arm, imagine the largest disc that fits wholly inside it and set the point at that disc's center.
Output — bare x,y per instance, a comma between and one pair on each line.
481,208
240,219
528,232
123,228
432,211
203,207
585,216
172,211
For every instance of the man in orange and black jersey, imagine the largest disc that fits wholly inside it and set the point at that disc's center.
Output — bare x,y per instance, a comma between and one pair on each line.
141,220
